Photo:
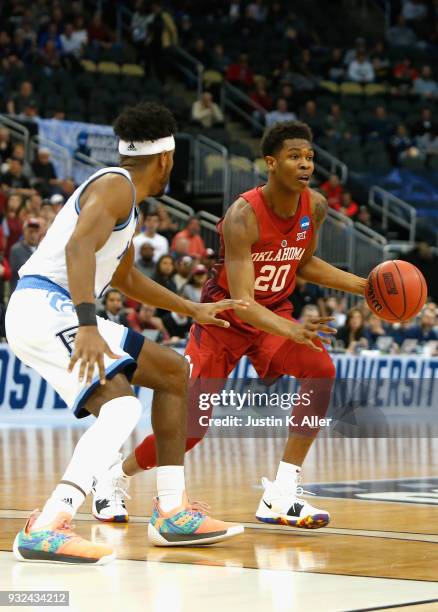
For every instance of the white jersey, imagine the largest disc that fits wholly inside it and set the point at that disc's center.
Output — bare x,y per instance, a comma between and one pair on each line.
49,259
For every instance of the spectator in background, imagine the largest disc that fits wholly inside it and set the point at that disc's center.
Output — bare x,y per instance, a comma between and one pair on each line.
209,259
219,61
14,178
113,307
425,86
348,206
193,288
98,33
332,189
73,41
399,142
334,69
312,117
361,70
180,248
19,152
336,124
191,232
260,95
167,227
353,334
401,35
67,188
11,224
334,307
18,102
200,52
5,275
380,125
22,250
424,258
380,61
145,262
425,125
425,330
184,267
414,10
165,269
281,113
143,320
206,112
177,327
305,293
5,144
150,235
44,172
240,73
403,75
374,329
364,217
309,312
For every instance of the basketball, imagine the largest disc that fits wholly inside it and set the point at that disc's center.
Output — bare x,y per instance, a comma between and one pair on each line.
396,290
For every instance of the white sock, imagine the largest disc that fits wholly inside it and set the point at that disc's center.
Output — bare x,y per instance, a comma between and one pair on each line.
170,486
93,454
287,474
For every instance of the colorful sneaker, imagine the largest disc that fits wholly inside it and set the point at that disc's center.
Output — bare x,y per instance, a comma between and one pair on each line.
57,543
188,525
284,507
109,494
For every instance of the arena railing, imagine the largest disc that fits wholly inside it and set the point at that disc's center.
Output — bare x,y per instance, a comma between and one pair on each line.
368,249
84,166
211,168
18,131
60,155
336,240
393,209
208,229
189,67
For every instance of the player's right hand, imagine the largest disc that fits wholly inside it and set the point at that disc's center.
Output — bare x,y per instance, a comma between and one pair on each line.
307,333
89,349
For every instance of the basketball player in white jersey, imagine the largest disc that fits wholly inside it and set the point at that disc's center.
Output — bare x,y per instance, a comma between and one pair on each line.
51,326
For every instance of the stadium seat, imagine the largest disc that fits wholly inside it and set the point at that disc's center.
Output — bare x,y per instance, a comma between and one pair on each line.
375,89
240,164
330,86
240,149
349,88
132,70
88,65
260,165
211,77
108,68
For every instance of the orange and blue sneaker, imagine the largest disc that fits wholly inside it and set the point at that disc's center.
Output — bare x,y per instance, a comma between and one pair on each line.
188,525
57,543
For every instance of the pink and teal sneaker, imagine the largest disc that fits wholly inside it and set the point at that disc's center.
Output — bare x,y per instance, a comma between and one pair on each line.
57,543
188,525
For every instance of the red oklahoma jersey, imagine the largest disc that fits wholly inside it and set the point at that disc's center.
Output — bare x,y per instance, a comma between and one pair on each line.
277,253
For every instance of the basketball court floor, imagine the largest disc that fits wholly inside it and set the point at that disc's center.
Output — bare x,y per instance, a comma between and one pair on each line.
379,552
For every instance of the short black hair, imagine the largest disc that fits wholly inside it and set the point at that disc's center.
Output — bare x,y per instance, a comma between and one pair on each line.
274,137
145,121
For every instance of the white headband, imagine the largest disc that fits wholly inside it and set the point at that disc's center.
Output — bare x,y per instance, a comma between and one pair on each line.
147,147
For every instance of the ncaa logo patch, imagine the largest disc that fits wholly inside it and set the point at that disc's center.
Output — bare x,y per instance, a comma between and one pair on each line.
304,223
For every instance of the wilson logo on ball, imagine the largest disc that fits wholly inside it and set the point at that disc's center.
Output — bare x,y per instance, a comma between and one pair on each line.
389,281
372,298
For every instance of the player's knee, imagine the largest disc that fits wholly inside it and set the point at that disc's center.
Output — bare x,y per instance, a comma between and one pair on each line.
116,387
177,375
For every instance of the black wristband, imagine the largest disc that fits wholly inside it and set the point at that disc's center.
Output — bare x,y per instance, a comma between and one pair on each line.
86,314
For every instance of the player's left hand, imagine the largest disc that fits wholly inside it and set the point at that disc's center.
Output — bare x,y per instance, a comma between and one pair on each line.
206,313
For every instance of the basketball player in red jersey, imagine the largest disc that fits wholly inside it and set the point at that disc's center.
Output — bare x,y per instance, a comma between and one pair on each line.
268,236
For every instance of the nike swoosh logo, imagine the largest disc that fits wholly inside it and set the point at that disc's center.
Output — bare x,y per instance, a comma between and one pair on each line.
268,505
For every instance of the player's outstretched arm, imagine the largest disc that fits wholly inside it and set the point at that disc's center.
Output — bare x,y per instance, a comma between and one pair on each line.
240,231
317,271
139,287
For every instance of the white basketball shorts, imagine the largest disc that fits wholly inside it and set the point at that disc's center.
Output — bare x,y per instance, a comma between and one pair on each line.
41,325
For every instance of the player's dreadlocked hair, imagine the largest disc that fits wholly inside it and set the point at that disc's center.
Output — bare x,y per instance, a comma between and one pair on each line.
274,137
145,121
